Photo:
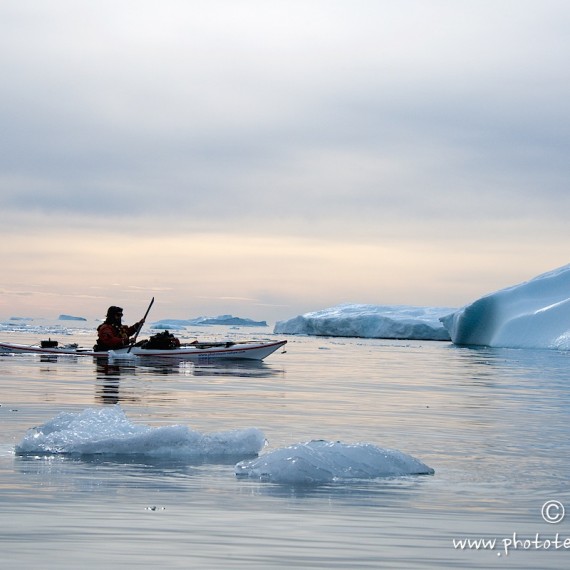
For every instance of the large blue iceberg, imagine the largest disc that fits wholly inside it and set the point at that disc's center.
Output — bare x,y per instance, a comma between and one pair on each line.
370,321
533,314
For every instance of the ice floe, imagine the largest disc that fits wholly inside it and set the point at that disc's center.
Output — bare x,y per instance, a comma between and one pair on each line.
318,461
109,431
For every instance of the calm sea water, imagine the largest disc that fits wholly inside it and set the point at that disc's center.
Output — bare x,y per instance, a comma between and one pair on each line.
494,424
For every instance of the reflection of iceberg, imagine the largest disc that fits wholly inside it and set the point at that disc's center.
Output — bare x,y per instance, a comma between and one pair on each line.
533,314
108,431
324,462
370,321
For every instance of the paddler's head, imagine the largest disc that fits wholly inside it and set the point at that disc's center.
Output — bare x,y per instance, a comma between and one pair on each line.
114,314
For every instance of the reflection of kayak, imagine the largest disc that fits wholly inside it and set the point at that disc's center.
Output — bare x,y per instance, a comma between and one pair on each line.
253,350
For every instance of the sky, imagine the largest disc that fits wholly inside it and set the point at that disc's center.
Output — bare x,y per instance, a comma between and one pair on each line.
266,158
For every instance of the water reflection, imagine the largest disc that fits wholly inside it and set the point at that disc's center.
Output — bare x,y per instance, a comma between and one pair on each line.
107,474
108,383
110,374
511,361
108,392
388,492
238,368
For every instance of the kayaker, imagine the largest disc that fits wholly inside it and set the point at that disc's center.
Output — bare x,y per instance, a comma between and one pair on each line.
113,334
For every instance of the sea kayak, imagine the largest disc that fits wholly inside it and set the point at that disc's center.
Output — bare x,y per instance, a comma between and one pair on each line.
252,350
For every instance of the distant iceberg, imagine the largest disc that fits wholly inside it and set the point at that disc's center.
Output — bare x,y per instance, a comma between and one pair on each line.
370,321
533,314
71,318
318,462
228,320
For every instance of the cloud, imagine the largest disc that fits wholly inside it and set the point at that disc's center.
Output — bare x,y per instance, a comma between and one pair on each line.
349,122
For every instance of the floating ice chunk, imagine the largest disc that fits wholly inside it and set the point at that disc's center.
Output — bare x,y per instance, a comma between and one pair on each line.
321,461
108,431
113,355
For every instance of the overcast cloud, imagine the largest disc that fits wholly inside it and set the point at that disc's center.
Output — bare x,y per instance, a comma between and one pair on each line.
365,121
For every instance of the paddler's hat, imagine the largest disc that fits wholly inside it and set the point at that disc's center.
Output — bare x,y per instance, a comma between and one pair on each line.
113,311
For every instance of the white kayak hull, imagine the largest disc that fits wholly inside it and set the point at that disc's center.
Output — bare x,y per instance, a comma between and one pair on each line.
250,350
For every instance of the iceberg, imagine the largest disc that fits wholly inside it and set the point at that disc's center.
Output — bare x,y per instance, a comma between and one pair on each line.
370,321
108,431
227,320
319,461
533,314
71,318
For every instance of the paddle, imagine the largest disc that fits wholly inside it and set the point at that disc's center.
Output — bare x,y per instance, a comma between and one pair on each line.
141,323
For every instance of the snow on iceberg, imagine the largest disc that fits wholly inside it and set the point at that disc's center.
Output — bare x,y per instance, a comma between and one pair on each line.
319,461
370,321
108,431
533,314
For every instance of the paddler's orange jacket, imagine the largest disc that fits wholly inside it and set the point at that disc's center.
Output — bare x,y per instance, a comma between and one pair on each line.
111,336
